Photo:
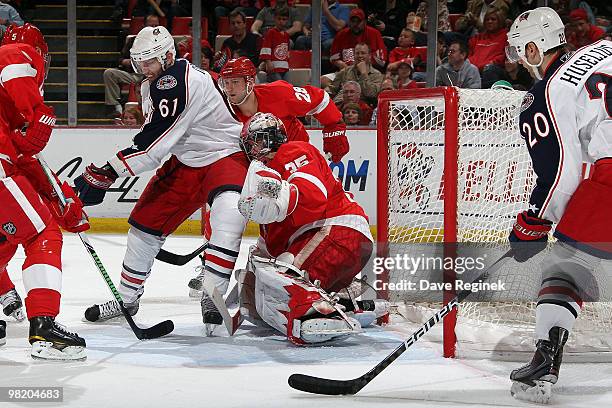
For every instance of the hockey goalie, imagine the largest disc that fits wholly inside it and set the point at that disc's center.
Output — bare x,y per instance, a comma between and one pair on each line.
314,238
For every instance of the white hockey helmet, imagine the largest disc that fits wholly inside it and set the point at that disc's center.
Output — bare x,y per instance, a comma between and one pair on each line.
151,42
542,26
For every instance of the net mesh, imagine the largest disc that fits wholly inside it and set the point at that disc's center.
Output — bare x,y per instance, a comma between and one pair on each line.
494,182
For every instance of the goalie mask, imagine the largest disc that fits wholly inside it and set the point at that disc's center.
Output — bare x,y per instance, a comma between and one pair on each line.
152,44
263,134
541,26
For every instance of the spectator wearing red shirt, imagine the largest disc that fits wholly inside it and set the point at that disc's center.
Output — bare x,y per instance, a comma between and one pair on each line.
405,49
580,31
487,50
403,79
342,49
275,48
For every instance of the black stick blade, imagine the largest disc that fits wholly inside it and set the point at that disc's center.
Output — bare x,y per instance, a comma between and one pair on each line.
316,385
159,330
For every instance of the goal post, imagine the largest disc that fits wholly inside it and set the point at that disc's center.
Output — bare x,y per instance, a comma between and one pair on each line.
453,170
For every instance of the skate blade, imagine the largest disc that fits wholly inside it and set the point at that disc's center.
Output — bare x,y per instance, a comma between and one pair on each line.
194,293
44,350
209,329
18,315
3,341
541,393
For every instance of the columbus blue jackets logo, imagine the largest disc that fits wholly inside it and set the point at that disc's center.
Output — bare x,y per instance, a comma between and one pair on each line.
9,228
166,82
527,101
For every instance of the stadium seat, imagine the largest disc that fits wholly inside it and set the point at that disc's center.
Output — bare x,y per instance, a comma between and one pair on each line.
300,59
223,26
137,23
421,84
219,41
131,5
452,19
180,26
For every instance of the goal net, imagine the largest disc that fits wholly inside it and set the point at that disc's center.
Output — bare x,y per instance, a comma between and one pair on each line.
452,167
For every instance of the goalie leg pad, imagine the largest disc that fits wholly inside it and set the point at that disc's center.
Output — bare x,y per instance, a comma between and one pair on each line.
287,303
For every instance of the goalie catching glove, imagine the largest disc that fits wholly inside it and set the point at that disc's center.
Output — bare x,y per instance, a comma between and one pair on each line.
94,182
529,236
266,197
335,143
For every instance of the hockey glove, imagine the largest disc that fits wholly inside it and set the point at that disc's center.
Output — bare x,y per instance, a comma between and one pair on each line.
529,236
72,218
335,143
93,183
38,132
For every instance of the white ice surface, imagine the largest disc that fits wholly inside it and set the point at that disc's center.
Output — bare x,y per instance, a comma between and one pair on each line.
251,369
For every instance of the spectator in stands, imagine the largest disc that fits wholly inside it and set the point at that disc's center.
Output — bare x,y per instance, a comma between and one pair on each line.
8,16
351,113
334,17
362,72
123,74
342,50
246,7
389,20
458,71
405,49
403,79
581,32
386,85
274,52
132,115
241,39
169,9
265,20
473,20
351,93
487,50
517,75
443,19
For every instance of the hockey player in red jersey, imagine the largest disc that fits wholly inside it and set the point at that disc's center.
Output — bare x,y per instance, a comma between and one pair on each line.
306,219
189,120
30,212
565,120
286,102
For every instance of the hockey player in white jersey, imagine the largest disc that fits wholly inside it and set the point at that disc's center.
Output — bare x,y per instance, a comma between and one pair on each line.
188,118
565,121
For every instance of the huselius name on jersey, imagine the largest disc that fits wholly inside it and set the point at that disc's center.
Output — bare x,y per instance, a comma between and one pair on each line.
582,65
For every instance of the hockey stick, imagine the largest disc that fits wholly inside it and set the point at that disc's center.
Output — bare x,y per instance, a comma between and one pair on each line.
231,322
180,260
160,329
318,385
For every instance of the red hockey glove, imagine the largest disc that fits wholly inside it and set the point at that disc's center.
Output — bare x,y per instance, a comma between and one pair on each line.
335,142
72,218
93,183
38,132
529,236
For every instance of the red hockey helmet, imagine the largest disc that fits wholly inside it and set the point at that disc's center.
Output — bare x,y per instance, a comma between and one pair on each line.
238,67
28,34
241,67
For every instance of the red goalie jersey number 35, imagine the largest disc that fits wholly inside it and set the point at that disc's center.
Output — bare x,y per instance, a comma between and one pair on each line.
321,199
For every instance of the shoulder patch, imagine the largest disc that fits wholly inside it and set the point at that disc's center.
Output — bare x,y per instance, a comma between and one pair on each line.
527,101
166,82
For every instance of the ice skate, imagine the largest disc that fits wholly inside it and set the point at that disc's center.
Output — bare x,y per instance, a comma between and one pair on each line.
533,381
210,314
12,305
109,310
195,284
51,341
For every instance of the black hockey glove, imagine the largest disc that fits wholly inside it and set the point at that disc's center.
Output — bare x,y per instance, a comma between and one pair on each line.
529,236
91,186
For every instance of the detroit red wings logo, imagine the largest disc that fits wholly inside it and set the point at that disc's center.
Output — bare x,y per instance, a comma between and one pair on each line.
281,52
523,17
413,169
